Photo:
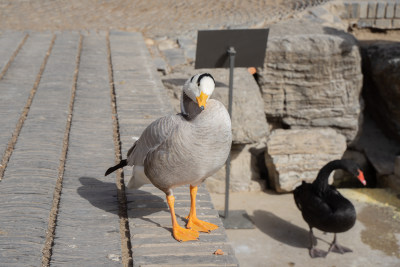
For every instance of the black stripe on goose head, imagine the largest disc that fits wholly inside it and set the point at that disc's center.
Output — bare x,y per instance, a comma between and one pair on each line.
202,76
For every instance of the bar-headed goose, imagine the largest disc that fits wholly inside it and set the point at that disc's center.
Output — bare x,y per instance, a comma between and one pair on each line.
182,149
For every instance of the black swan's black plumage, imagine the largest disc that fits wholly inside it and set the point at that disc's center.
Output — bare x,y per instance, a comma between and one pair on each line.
324,208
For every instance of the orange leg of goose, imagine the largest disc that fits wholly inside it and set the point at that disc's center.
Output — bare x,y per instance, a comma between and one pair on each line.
193,222
180,233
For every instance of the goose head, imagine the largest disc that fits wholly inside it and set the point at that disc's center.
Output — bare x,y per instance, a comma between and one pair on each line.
198,89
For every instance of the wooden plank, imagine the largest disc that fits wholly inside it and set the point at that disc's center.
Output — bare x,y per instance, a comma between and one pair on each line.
18,81
45,125
202,260
10,42
182,249
88,225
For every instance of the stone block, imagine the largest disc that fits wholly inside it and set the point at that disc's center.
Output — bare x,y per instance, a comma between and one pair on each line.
390,10
174,57
186,42
165,43
371,10
318,12
383,23
312,77
365,23
190,52
363,9
397,11
161,65
380,10
347,11
396,24
289,163
355,10
189,47
243,177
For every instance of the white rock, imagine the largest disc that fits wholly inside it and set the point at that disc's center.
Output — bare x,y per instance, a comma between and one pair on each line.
243,178
296,155
312,77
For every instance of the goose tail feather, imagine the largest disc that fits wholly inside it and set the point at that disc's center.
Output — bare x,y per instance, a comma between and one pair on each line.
121,164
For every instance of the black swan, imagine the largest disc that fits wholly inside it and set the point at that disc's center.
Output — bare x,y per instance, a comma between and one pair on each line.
324,208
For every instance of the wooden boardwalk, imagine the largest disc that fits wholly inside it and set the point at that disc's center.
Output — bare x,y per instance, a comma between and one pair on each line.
70,103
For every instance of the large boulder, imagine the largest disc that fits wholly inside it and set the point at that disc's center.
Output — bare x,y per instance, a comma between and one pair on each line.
249,124
244,176
382,84
312,77
297,155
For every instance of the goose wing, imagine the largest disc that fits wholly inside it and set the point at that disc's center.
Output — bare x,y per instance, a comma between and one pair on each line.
152,137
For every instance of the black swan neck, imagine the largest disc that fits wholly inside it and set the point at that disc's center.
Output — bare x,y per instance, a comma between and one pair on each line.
321,182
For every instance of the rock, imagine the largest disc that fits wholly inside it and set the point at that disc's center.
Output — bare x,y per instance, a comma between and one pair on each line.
380,150
165,44
312,77
174,57
391,181
397,166
326,15
298,154
216,183
382,86
158,59
248,119
161,65
149,42
189,47
243,178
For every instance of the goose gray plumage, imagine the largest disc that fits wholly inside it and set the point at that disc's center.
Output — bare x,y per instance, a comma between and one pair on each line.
182,149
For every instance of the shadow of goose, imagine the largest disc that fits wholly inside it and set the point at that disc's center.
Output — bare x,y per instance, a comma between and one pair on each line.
281,230
104,195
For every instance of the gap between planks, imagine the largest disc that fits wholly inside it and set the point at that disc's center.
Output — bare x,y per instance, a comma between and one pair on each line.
3,72
126,247
48,245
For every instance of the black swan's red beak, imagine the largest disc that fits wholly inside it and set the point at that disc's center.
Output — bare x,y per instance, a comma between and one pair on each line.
361,178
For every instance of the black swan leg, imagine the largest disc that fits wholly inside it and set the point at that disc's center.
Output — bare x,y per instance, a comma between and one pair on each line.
335,247
314,252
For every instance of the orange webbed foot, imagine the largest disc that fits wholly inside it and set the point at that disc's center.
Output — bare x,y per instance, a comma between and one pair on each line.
181,234
199,225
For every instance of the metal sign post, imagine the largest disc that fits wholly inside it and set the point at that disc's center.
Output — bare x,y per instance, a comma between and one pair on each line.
240,48
231,51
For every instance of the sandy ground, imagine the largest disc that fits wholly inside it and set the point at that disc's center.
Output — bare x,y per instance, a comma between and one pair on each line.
151,17
368,35
280,236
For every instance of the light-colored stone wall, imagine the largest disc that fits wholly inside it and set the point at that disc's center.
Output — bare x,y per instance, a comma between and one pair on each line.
371,14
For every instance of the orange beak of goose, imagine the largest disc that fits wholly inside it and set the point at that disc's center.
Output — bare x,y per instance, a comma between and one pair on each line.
361,178
201,100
